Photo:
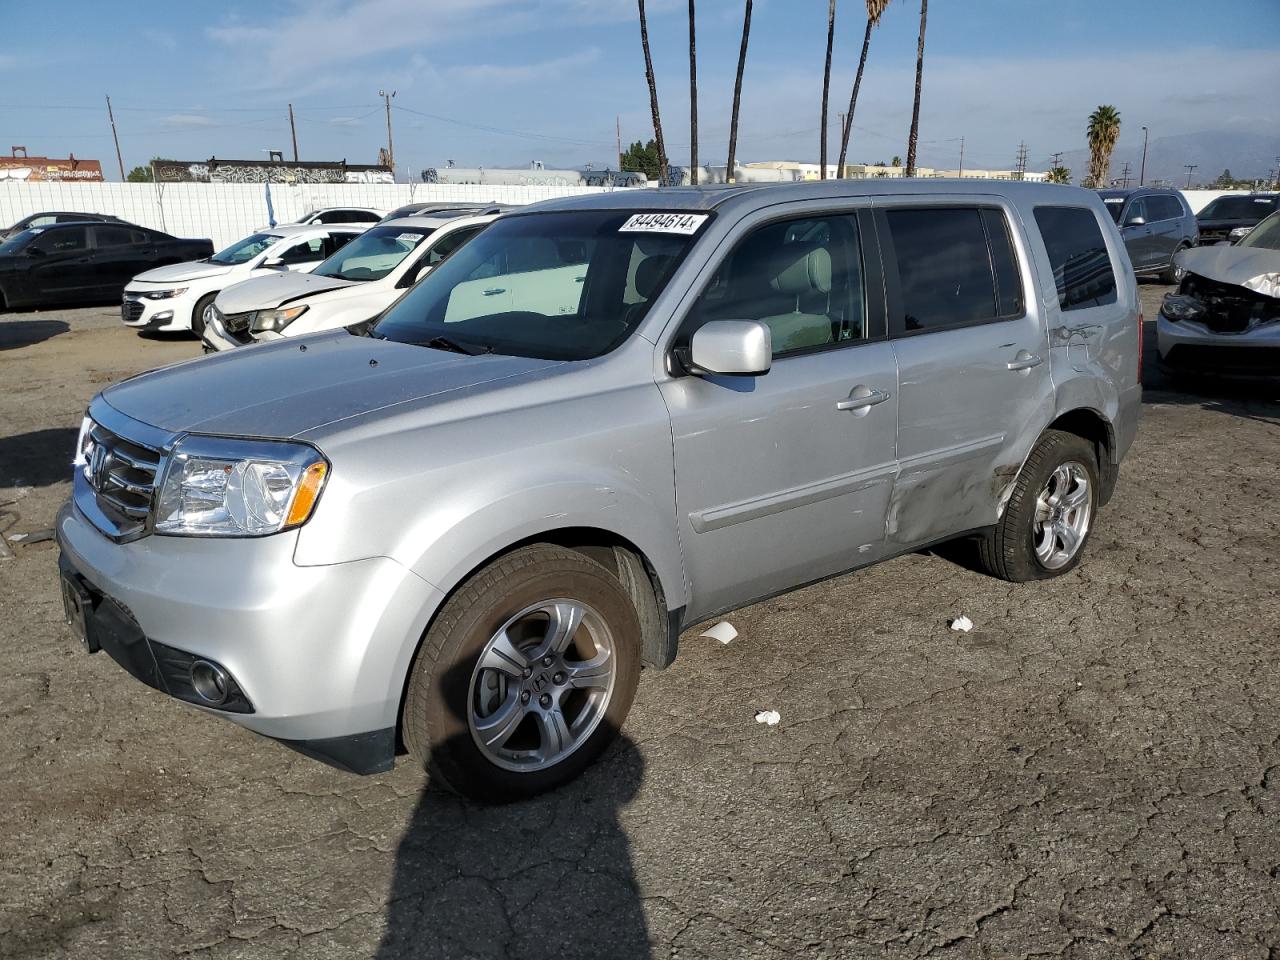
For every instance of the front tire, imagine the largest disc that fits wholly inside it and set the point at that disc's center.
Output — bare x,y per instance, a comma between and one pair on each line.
524,677
1173,274
1050,514
197,315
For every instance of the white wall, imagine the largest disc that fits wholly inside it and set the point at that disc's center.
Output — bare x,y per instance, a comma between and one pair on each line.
225,212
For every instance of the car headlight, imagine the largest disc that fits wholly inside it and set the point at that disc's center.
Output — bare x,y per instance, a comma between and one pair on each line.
164,294
277,320
219,487
1239,232
84,448
1179,306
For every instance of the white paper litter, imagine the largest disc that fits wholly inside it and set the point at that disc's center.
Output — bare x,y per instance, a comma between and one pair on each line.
770,717
962,623
722,631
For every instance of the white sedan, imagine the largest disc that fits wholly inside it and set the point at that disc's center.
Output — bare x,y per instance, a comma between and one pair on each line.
355,284
179,296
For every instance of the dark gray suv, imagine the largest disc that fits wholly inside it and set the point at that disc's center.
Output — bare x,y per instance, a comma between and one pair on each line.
1156,223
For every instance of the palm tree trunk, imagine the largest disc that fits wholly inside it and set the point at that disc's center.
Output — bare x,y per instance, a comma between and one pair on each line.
737,94
653,96
693,101
853,101
826,89
915,110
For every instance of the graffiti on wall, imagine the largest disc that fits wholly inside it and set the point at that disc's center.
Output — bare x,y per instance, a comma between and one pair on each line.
256,171
37,169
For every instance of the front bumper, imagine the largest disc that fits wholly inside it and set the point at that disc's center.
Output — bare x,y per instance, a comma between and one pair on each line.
216,338
1189,347
170,315
318,655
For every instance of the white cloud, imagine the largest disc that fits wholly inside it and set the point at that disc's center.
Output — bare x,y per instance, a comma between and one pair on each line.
509,73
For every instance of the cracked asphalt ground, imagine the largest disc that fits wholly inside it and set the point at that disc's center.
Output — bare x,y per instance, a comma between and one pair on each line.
1093,772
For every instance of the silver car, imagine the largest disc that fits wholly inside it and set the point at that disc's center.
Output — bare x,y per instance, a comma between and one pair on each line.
464,528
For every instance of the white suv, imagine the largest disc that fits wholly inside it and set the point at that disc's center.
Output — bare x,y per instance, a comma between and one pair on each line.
355,284
178,297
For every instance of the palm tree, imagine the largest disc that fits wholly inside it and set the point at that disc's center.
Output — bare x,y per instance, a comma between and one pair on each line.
826,89
915,110
693,101
737,93
874,10
653,96
1104,130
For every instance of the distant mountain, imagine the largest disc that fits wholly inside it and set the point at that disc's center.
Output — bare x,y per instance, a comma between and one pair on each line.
1246,155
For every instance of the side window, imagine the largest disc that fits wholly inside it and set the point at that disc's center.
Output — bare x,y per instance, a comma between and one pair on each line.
1170,207
1136,209
956,266
449,243
308,251
114,237
801,278
335,242
1082,268
42,221
65,240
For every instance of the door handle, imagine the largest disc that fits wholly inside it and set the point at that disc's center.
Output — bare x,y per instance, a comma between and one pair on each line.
1024,361
865,400
494,291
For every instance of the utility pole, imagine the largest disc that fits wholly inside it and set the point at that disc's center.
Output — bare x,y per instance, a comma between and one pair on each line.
617,121
1190,167
1278,173
1022,161
294,133
391,150
1142,172
112,117
693,101
960,172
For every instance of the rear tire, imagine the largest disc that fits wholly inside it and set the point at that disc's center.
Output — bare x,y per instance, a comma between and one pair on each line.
511,694
1048,519
197,315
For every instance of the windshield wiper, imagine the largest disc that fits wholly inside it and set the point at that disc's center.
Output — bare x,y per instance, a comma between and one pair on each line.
444,343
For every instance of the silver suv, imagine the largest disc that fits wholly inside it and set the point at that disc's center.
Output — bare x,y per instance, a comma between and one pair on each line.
463,528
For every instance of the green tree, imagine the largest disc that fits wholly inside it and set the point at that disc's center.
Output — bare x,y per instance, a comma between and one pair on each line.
897,161
140,175
737,96
874,9
1104,131
644,158
914,136
1059,175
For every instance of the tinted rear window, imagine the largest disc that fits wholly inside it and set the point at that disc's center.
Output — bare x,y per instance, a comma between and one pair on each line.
1082,268
1163,207
956,266
1239,208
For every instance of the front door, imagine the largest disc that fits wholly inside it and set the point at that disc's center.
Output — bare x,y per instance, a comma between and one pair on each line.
784,478
1139,238
972,358
62,265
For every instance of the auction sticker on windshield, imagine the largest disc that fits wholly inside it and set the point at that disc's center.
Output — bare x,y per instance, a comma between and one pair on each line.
684,223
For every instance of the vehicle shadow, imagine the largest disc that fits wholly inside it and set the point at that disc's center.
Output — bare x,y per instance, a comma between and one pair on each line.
550,877
37,459
15,334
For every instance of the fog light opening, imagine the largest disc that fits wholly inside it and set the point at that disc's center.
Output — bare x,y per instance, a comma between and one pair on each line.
210,681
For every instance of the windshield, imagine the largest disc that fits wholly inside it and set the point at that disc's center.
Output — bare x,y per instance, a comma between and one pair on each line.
557,286
1265,236
17,241
373,254
1114,206
244,250
1239,208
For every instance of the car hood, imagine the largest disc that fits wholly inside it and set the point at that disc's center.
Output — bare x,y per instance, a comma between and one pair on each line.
283,389
1253,268
174,272
276,289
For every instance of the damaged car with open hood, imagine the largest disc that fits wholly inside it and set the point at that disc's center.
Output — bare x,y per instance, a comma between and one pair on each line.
1224,319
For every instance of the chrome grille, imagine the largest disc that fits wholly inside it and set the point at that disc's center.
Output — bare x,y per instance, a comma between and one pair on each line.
131,310
123,476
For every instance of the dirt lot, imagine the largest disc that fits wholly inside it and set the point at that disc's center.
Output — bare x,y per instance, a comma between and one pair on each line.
1093,772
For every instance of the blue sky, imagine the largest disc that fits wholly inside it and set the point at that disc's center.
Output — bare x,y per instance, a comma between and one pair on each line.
503,82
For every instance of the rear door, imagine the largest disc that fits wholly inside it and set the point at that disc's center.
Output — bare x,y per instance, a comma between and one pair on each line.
971,349
119,255
1166,227
785,478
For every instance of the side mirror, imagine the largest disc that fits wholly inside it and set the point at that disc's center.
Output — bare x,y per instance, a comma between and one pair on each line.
275,263
735,348
36,252
1135,222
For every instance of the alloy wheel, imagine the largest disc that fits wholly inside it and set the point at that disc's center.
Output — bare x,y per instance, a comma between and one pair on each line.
1064,509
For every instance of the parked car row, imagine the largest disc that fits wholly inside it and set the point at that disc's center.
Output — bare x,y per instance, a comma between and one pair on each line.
464,525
